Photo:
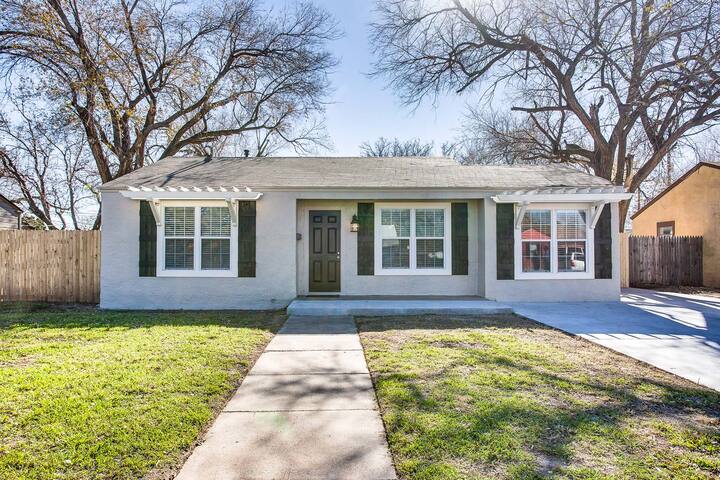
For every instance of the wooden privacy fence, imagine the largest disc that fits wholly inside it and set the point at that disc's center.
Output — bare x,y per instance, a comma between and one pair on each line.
662,261
54,266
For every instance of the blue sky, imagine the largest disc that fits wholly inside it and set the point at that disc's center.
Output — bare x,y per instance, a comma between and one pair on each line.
362,108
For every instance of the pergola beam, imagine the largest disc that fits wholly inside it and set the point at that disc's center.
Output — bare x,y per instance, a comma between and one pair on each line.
595,212
233,212
155,207
521,214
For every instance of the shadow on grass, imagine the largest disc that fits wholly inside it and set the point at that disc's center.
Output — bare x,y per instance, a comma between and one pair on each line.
546,407
50,315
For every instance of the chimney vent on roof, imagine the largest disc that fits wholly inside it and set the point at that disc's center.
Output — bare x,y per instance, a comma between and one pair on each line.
246,152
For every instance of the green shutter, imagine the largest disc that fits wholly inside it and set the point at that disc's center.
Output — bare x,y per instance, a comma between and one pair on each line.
459,215
246,239
148,241
366,239
505,240
603,244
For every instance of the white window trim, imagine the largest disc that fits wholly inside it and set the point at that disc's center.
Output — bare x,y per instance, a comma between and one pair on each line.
554,273
413,270
197,243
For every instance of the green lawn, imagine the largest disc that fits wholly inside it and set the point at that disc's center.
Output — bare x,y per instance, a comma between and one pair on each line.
504,397
87,394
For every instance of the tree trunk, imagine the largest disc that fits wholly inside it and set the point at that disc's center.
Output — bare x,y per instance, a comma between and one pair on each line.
623,208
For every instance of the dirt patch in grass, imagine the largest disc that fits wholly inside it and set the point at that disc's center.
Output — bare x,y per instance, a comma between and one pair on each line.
505,397
456,345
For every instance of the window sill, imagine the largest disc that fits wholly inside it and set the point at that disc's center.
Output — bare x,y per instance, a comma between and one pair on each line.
414,273
197,274
555,276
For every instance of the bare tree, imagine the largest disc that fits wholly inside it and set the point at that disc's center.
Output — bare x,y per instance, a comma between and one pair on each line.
149,79
263,142
385,147
495,138
612,85
47,166
707,148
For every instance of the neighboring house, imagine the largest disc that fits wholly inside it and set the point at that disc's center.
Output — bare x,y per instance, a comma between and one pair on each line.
9,214
257,232
690,206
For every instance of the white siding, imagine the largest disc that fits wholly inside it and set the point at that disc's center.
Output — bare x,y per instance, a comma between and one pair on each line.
282,271
354,284
273,288
547,290
8,217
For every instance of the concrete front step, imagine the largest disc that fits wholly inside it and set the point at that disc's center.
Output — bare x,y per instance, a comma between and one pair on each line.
392,307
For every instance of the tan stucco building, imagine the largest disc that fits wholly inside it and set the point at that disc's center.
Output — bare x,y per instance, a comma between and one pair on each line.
690,206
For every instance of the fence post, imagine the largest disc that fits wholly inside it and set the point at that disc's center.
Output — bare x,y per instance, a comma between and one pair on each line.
624,260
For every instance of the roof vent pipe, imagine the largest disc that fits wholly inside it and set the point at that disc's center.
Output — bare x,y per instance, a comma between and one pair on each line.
246,152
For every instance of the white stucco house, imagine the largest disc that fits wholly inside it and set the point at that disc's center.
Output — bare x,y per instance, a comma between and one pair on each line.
255,233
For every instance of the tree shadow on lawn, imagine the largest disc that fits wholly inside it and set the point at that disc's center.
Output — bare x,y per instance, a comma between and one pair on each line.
56,315
488,404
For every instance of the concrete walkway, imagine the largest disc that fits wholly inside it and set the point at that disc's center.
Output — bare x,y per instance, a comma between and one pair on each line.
675,332
306,410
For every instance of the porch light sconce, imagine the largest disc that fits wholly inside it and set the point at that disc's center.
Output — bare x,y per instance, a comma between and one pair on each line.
354,224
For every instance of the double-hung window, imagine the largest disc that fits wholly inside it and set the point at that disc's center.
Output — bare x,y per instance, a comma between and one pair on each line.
554,242
412,239
215,238
179,226
197,240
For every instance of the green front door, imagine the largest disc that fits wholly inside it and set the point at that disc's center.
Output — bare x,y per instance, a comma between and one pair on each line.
324,251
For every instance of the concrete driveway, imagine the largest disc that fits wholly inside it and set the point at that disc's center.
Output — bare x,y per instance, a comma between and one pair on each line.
675,332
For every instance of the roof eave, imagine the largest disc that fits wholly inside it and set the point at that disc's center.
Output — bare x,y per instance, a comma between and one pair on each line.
154,195
296,188
673,185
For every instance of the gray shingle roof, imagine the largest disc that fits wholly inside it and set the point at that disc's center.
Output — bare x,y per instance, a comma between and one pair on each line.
293,173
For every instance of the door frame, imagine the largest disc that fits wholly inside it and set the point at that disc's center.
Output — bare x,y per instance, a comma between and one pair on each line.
310,212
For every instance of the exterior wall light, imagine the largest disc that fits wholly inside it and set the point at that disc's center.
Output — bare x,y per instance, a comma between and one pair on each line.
354,224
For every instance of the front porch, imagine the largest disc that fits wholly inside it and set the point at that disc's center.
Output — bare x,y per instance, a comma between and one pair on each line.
378,306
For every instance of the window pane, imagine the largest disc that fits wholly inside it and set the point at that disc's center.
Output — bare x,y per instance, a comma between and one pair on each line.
395,222
179,221
535,256
536,225
215,254
396,253
430,222
179,254
214,222
430,253
571,256
665,230
571,224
